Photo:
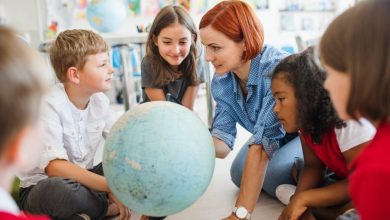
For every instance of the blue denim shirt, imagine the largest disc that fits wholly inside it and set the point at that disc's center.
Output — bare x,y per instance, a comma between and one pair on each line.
255,113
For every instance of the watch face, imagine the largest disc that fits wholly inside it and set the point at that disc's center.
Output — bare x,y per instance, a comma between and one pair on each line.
241,212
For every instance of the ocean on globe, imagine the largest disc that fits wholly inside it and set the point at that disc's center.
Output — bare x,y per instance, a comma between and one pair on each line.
158,158
106,15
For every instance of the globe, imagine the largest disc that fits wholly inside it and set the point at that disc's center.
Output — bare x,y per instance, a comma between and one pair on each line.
106,15
158,158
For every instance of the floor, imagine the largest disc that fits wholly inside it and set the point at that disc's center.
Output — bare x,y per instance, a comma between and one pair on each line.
219,199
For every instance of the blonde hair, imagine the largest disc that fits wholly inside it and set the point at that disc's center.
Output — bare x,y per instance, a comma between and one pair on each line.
72,47
23,81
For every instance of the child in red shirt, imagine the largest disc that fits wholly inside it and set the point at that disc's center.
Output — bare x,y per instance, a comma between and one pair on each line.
21,89
355,52
303,105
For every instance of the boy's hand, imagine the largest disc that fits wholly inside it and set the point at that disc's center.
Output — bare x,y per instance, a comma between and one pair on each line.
124,212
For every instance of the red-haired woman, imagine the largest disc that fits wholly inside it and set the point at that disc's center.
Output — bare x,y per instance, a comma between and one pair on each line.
234,41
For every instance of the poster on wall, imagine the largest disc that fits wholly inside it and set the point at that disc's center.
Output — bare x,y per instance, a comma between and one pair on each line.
134,7
199,7
59,16
166,2
185,3
81,6
261,4
150,7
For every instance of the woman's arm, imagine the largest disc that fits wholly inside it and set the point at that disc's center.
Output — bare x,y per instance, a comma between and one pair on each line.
221,148
252,178
189,97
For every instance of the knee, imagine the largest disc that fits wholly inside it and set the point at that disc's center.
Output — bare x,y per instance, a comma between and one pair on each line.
236,173
270,189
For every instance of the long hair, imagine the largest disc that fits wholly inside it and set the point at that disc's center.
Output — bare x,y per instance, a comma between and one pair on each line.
315,113
24,79
238,21
358,43
167,16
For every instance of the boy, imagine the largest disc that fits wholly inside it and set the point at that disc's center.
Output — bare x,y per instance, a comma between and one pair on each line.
75,118
22,87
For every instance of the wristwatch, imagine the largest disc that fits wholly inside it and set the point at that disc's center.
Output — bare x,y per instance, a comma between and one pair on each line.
241,212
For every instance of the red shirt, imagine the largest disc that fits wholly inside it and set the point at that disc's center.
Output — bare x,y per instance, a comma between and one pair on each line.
370,179
21,216
329,152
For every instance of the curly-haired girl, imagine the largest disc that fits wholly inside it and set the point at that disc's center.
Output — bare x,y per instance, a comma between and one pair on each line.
303,105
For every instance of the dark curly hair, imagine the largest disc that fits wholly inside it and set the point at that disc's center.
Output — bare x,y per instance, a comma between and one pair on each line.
315,112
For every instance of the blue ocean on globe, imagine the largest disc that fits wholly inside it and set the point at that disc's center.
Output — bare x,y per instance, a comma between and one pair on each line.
158,158
106,15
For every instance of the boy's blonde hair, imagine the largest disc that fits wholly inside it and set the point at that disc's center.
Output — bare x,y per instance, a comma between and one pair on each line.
71,48
23,82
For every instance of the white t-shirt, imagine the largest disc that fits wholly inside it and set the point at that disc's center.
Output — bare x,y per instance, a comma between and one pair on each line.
354,134
70,133
7,204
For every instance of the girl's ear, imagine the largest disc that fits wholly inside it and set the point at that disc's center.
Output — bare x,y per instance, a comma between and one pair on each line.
155,40
194,37
73,75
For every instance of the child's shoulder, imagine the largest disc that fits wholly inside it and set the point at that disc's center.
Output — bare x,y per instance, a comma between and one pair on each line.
100,98
56,94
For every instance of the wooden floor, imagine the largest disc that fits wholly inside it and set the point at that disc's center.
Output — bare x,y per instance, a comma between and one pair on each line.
220,197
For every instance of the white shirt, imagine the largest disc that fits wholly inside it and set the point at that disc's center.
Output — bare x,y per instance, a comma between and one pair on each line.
354,134
7,204
70,133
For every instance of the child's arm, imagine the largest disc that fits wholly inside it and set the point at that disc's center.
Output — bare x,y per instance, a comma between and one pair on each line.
189,97
351,154
311,176
155,94
66,169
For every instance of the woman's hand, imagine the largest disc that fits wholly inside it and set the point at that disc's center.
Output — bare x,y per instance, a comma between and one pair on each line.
124,212
231,217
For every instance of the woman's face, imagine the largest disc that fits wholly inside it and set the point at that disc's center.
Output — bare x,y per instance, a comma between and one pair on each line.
224,53
285,103
338,85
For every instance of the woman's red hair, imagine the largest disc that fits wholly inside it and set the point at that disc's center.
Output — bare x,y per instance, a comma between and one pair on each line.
238,21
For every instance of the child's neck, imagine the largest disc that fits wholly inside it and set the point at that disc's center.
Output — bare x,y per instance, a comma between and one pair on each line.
77,96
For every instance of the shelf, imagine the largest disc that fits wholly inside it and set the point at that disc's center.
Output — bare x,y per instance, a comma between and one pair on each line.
308,11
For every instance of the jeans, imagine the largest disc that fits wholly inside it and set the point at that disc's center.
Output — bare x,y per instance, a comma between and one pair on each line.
62,198
279,166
